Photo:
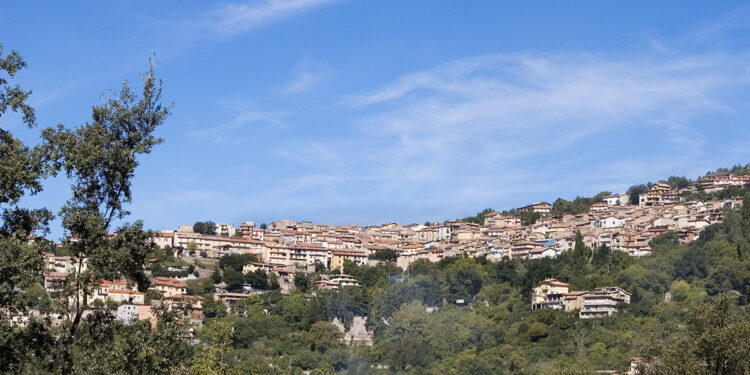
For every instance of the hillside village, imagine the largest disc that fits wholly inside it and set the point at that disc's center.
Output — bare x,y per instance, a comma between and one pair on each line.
613,222
287,248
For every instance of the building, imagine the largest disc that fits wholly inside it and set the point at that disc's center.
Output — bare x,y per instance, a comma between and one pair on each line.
336,281
545,252
164,239
543,208
659,194
603,302
549,295
54,281
129,313
247,228
573,300
170,287
226,230
338,257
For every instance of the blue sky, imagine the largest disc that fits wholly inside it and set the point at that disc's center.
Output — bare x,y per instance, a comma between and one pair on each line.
372,111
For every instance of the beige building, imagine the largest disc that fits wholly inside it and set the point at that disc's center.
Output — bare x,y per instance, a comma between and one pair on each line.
603,302
170,287
338,257
549,294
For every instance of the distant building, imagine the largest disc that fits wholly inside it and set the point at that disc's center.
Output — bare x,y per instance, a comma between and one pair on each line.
573,300
336,281
338,257
603,302
129,313
659,194
549,295
224,229
170,287
543,208
185,228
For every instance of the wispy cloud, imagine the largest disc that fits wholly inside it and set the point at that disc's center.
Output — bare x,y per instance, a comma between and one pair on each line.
302,81
508,119
737,19
244,114
237,18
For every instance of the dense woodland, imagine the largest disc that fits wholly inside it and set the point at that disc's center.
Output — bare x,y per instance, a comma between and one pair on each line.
688,315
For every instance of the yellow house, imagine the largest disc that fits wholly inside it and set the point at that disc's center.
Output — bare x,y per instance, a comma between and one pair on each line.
338,257
547,291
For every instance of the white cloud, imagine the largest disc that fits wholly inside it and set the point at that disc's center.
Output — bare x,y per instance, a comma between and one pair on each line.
237,18
302,81
245,114
507,107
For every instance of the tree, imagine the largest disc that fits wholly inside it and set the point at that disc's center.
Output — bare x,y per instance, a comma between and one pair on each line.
212,308
537,331
234,279
205,227
635,191
100,158
211,359
714,343
323,336
21,172
678,182
200,287
386,255
258,279
301,282
478,218
236,261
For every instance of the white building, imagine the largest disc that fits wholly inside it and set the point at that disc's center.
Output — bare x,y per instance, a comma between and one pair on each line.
224,229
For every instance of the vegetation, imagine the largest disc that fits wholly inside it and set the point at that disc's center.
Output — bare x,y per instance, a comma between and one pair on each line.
205,227
577,206
419,329
99,158
478,218
386,255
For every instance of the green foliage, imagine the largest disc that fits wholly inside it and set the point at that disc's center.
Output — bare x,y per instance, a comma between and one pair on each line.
200,287
678,182
258,279
715,342
635,191
385,255
213,308
578,206
236,261
205,227
478,218
302,282
537,331
211,358
234,279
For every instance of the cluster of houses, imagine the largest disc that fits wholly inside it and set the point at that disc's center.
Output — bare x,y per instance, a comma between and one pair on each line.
554,294
718,181
286,247
132,304
613,222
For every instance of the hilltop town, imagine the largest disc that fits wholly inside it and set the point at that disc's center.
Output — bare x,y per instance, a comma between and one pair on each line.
614,221
284,249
